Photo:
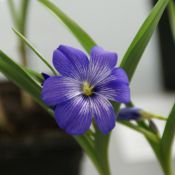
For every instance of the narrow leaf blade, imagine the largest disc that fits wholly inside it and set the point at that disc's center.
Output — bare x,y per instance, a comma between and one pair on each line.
35,75
138,45
168,136
19,76
171,12
24,39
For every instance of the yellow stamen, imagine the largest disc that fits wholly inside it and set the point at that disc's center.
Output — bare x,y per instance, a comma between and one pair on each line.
87,89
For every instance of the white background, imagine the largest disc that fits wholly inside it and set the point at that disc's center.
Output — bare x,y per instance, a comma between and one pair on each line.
113,25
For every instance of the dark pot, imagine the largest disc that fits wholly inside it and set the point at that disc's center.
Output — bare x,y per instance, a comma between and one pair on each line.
30,141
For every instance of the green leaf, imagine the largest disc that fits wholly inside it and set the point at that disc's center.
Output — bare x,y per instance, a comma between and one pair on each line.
85,40
101,143
133,55
138,45
171,12
13,12
135,51
24,39
35,75
19,76
23,13
151,136
167,140
83,141
19,18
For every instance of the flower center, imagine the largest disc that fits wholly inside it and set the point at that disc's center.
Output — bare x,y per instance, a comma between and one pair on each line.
87,89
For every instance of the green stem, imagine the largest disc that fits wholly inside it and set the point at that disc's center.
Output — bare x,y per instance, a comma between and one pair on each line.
27,101
24,39
23,16
22,28
166,166
163,149
151,136
149,115
88,147
13,12
20,21
103,156
101,148
159,117
165,163
167,143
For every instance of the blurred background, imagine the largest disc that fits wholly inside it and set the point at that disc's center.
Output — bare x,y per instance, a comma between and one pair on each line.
112,24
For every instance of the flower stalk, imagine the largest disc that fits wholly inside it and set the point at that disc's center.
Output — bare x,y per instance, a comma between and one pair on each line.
102,152
99,158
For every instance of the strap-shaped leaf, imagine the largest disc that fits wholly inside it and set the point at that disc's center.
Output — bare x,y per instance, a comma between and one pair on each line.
35,75
24,8
19,76
167,138
13,12
24,39
171,10
85,40
138,45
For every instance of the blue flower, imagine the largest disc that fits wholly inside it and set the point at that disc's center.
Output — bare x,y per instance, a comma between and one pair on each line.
131,113
45,76
83,90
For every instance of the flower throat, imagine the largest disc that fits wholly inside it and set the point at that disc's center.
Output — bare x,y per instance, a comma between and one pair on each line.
87,89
